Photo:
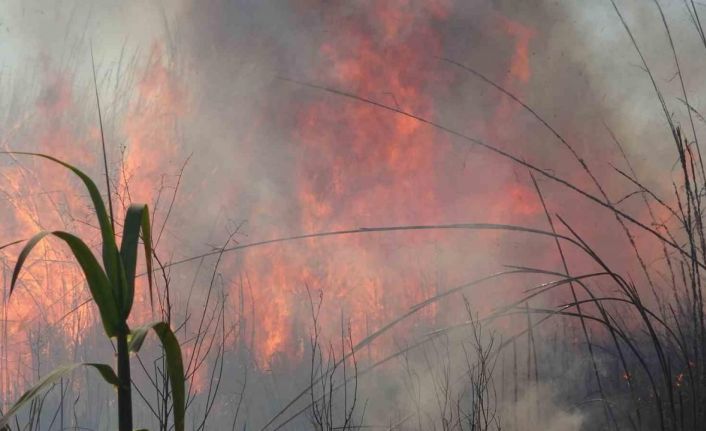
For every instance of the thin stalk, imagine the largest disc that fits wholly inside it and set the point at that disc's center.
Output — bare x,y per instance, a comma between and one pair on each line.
125,385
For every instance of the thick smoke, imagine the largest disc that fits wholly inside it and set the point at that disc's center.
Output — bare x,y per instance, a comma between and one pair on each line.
220,89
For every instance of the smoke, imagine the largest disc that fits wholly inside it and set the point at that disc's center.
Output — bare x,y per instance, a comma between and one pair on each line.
554,417
218,83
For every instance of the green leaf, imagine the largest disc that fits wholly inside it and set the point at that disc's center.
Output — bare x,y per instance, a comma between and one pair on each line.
110,248
26,250
105,371
137,219
98,282
175,366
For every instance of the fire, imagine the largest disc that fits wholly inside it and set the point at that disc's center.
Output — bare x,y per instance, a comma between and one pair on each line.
520,68
48,294
51,293
357,166
353,166
150,128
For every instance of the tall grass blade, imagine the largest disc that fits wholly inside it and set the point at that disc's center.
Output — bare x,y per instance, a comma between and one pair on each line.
175,365
137,220
110,254
98,282
106,371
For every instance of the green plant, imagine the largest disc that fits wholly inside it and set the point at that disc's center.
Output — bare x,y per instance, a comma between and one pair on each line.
112,288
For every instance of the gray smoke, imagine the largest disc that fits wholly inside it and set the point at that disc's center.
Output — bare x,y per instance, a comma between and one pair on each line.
239,120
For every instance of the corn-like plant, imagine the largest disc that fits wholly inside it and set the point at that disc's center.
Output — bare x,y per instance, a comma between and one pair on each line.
112,287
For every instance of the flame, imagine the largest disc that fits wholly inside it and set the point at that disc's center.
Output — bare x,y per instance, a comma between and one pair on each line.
358,166
47,294
150,128
354,168
50,292
353,165
520,69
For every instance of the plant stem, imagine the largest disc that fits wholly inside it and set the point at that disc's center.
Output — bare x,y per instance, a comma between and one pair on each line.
125,386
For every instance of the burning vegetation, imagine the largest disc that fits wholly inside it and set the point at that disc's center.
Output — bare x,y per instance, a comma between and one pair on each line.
402,215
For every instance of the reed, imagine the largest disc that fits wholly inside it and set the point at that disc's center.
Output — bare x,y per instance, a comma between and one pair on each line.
112,287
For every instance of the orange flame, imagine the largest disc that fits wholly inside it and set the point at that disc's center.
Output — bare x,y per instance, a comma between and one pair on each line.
358,166
50,292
